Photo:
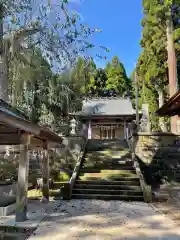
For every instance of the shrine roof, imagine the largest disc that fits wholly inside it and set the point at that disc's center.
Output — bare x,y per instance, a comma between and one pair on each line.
107,107
13,122
171,107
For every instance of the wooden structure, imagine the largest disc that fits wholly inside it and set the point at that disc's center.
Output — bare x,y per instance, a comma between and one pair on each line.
171,107
106,118
16,129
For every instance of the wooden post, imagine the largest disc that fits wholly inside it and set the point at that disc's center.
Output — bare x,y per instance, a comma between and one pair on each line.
22,184
172,64
137,99
45,172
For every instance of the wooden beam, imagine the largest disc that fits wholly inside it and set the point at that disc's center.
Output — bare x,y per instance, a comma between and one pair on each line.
45,172
7,129
19,123
36,142
22,184
10,139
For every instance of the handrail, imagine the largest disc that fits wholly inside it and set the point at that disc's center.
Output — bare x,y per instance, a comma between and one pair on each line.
68,187
147,191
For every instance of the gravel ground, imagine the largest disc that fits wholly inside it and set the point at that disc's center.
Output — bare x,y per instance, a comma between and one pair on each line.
106,220
171,209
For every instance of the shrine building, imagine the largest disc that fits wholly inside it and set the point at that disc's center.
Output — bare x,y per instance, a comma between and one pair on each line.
106,118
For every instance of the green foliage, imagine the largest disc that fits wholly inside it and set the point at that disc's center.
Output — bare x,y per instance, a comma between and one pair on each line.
62,176
27,25
152,64
118,82
111,81
97,84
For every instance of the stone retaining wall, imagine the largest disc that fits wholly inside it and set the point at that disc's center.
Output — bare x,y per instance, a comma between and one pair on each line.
8,190
159,156
151,145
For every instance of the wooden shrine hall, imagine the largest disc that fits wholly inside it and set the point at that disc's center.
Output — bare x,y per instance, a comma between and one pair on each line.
16,129
106,118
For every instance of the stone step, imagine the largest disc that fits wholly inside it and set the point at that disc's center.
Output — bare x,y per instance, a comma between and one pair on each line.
109,166
108,153
107,177
109,172
104,182
108,186
110,162
166,157
121,170
108,197
105,160
107,191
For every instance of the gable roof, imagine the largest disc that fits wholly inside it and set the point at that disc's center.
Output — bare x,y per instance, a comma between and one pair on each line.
103,107
6,107
13,122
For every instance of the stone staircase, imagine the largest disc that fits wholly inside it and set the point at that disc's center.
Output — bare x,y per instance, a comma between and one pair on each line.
107,173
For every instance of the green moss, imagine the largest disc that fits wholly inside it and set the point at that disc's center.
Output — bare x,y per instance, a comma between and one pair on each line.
64,177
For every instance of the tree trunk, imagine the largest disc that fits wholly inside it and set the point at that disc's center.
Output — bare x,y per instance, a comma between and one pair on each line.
161,97
137,100
172,65
13,91
36,104
3,66
162,124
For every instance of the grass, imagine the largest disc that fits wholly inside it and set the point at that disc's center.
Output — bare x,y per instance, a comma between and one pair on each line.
107,174
63,177
35,194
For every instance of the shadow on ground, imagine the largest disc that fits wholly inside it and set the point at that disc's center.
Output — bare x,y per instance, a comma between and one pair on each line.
93,219
101,220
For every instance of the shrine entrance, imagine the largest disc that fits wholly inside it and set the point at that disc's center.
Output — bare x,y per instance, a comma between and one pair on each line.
107,131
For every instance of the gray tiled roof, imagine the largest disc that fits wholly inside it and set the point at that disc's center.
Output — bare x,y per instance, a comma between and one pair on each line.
7,108
97,107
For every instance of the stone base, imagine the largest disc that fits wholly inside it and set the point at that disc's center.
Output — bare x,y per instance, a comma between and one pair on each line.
5,211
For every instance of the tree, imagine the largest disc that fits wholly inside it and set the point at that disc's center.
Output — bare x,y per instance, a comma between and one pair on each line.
61,39
81,75
152,64
98,82
33,83
117,80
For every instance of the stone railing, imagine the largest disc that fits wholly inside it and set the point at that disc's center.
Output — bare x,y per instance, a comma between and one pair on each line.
68,187
147,192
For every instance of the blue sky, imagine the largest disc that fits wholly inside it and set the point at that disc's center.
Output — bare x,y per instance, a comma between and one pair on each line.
121,29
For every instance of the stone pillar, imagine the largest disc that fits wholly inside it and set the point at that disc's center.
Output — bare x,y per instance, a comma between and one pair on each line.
22,184
134,138
73,125
124,130
89,131
145,121
45,173
85,130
